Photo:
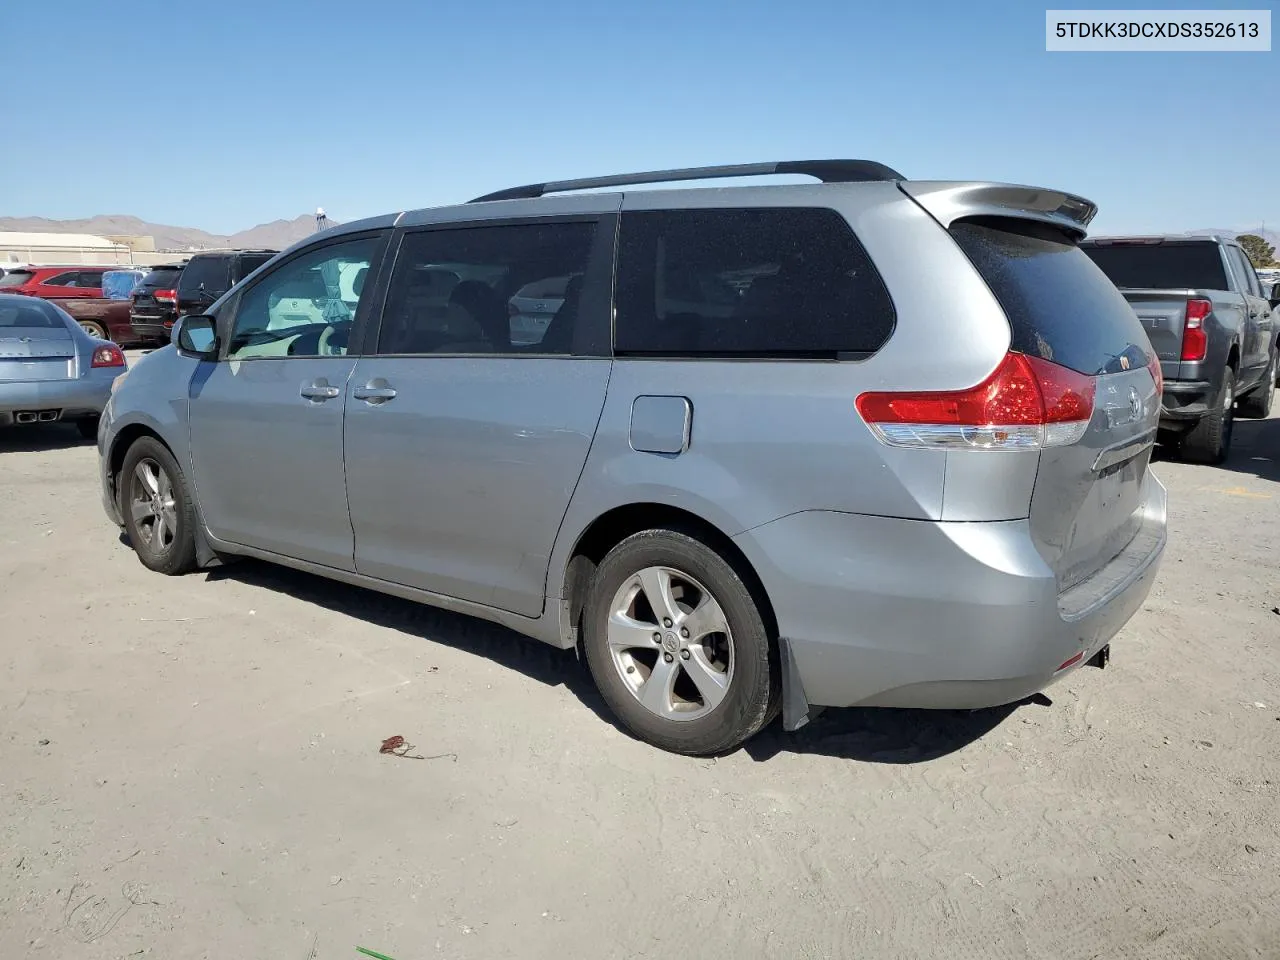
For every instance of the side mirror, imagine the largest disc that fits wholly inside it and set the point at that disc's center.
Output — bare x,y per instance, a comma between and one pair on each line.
196,336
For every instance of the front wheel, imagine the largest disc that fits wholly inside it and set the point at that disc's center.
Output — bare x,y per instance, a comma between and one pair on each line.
677,645
158,511
94,329
1209,441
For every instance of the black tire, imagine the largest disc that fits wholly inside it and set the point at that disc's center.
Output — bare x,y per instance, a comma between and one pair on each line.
751,695
1209,441
88,428
177,554
1257,405
94,329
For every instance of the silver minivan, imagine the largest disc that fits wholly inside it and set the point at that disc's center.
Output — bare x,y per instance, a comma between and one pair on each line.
868,441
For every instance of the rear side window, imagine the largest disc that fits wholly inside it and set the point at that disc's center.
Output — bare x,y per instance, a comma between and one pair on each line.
211,273
1060,306
1244,267
1161,266
15,278
752,282
508,289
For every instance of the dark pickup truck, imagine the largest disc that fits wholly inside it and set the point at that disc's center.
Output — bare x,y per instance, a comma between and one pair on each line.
1213,329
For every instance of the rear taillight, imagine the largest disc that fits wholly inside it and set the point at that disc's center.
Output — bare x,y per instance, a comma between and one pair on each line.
1195,342
1156,374
108,356
167,296
1026,403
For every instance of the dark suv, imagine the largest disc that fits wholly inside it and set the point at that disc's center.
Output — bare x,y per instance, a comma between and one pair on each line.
155,303
207,276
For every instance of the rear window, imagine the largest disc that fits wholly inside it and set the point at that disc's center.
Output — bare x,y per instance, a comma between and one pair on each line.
15,278
211,272
162,279
33,314
1161,266
1060,306
790,282
249,263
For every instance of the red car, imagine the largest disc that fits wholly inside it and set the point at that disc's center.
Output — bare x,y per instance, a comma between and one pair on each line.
55,283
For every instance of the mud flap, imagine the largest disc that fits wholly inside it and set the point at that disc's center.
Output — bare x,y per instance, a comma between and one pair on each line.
206,556
796,709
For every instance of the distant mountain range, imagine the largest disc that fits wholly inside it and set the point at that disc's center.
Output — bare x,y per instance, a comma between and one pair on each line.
275,235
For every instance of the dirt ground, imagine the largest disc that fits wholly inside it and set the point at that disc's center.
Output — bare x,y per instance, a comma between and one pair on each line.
190,768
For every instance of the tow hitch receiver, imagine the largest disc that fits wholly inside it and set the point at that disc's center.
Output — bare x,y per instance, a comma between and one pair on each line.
1101,658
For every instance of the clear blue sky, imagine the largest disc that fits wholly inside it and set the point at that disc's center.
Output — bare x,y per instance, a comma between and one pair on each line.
246,112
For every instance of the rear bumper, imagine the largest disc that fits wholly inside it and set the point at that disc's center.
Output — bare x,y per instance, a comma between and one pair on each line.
149,328
82,397
1187,400
879,611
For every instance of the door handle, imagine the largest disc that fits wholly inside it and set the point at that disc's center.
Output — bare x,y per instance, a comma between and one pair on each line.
374,392
319,391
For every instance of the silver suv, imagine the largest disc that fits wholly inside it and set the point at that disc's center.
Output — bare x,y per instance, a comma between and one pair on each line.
869,441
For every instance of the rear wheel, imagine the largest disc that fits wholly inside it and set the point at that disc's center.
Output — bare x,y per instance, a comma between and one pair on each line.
158,511
94,329
1209,441
677,645
1257,405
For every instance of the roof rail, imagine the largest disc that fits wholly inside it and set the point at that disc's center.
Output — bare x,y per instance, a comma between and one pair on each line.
828,171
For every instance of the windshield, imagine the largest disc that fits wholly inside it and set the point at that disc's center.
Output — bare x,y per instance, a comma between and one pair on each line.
15,278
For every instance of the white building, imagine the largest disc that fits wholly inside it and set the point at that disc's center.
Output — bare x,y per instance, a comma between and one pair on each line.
60,248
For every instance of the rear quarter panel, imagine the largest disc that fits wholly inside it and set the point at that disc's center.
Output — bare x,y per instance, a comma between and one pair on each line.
770,438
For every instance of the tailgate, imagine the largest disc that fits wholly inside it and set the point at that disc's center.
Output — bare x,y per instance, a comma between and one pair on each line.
1087,499
1162,314
1086,503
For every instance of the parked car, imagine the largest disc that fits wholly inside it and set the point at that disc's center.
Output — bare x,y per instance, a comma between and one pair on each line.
1213,328
155,304
840,487
101,318
50,369
50,283
106,317
207,276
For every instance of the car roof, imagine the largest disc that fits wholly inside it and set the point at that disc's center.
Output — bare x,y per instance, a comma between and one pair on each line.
946,200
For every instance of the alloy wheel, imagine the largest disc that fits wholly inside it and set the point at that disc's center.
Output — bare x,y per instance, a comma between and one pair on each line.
153,505
671,644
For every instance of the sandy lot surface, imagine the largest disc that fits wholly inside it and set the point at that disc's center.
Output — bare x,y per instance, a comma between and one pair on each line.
190,768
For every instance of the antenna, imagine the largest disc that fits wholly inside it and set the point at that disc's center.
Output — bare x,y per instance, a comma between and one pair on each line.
322,221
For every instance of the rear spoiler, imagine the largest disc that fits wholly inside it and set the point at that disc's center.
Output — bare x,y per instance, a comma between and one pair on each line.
948,201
